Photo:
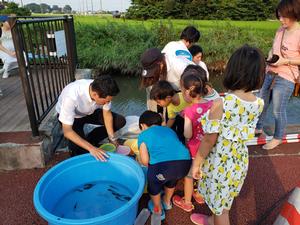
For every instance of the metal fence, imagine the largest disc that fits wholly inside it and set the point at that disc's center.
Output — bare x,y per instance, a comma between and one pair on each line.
46,53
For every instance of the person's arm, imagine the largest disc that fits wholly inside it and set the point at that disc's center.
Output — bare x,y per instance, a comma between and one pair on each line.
144,155
287,61
171,115
170,122
71,135
188,128
3,49
108,122
293,61
208,141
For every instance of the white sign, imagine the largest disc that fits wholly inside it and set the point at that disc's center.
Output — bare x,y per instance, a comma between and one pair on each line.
60,41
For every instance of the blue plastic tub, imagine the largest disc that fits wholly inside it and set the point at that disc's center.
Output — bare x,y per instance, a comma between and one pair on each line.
84,174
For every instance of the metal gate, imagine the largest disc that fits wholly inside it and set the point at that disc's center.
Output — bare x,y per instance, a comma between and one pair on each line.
46,53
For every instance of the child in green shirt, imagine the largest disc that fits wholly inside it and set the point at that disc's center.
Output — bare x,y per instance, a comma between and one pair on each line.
166,96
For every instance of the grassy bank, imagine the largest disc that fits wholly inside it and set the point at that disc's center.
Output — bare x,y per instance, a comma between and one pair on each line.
105,43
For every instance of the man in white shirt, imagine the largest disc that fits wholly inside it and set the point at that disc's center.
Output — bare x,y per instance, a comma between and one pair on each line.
178,56
89,101
179,49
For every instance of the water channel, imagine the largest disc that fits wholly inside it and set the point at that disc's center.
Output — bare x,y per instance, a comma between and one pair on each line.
132,101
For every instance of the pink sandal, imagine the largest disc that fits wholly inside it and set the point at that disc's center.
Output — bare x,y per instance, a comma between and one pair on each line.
198,198
199,219
179,202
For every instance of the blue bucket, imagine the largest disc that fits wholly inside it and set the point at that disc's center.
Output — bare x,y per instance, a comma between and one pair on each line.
81,174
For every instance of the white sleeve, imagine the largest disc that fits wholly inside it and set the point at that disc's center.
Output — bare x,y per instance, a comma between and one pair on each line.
67,111
107,106
179,64
167,48
203,65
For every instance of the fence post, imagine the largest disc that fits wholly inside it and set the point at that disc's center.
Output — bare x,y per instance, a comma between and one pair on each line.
71,45
19,48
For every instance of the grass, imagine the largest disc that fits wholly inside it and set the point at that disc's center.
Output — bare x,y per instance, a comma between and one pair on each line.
106,43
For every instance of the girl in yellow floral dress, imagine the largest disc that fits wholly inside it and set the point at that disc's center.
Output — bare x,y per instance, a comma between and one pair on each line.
222,159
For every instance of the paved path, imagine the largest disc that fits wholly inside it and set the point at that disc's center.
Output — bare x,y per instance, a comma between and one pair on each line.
271,175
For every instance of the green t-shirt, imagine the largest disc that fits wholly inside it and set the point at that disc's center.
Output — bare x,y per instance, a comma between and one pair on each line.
174,110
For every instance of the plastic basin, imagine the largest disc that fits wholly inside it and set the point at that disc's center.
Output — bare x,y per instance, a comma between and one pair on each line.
79,172
123,150
108,147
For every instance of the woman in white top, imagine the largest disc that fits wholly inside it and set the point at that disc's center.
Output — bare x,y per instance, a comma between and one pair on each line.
7,49
158,66
197,53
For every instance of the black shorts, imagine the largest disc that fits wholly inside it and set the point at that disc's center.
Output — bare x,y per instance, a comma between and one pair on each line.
166,174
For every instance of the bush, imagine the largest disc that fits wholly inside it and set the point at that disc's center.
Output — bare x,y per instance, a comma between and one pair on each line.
112,46
118,46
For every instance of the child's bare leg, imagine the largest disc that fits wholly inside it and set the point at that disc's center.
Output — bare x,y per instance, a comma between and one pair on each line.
188,189
168,195
156,203
222,219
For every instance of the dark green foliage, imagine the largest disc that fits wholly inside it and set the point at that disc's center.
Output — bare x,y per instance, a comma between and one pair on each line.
13,8
203,9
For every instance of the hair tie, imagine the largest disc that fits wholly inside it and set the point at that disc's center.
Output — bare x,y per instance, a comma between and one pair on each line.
144,73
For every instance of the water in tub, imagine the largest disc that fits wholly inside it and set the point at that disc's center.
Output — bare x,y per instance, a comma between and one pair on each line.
92,200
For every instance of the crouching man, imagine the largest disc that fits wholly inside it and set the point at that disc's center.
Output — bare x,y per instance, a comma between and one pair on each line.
88,101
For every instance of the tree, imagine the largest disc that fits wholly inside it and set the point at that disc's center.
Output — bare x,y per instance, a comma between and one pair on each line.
67,9
203,9
13,8
55,8
45,8
33,7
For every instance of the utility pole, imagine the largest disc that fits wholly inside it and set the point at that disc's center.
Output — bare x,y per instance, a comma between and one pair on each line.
79,7
92,6
86,5
101,5
21,3
83,7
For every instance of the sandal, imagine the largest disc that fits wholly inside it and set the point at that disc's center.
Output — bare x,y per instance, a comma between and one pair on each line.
179,202
272,144
151,209
199,219
198,198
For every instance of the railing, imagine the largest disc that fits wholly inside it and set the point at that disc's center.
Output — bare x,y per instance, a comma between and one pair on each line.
46,53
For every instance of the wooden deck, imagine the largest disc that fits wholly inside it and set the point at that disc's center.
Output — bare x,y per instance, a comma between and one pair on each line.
13,110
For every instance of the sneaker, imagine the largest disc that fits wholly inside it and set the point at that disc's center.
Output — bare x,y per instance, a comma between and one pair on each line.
198,198
165,206
5,75
199,219
156,219
2,70
179,202
151,208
